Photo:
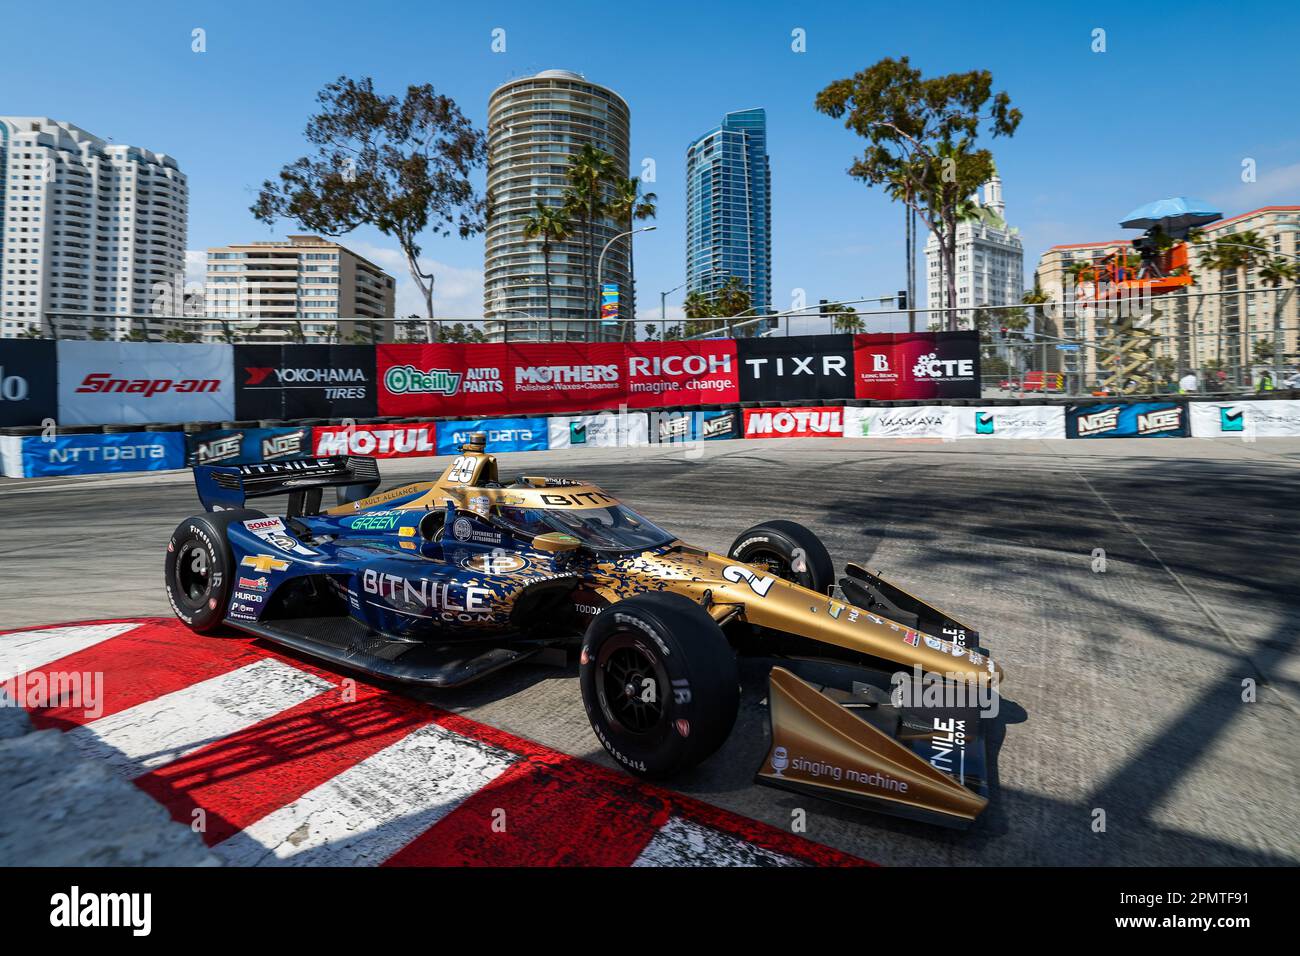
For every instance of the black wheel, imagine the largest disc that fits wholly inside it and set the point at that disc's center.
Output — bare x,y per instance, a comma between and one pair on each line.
659,683
787,550
200,568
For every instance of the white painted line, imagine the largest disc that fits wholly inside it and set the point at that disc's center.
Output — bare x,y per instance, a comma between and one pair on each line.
24,651
370,811
683,843
159,731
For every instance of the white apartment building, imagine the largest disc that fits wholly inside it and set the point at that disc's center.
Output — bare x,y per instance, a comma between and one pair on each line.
990,260
93,232
252,288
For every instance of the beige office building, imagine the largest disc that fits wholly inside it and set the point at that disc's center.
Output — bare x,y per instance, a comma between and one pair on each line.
252,288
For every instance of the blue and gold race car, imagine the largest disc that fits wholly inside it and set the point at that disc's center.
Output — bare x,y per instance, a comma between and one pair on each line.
443,582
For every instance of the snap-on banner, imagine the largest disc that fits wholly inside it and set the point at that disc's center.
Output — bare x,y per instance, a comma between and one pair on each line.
918,421
104,383
247,446
904,365
305,381
96,454
1249,419
1011,421
503,434
801,368
1127,420
396,440
28,390
807,422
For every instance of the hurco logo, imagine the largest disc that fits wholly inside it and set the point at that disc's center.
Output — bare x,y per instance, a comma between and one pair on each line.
409,380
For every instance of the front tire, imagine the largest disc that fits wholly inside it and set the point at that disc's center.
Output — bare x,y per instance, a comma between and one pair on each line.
200,568
789,551
659,683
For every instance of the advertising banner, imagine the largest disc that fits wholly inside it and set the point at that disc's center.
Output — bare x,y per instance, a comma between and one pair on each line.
503,434
11,456
718,425
1011,421
905,365
96,454
135,382
599,431
28,372
798,368
672,426
919,421
806,422
247,446
1122,420
305,381
681,373
396,440
1249,419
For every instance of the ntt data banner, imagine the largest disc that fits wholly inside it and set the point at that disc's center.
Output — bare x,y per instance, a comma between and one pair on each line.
1127,420
903,365
97,454
1246,420
1011,421
919,421
28,393
305,381
503,434
129,382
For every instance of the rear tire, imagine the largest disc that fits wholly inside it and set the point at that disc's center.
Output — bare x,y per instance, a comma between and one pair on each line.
788,550
200,568
659,683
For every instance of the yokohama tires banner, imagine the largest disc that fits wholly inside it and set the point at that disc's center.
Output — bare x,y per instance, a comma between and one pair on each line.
127,382
903,365
305,381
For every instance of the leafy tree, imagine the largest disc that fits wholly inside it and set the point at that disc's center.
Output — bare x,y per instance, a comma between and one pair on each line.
591,175
730,300
1236,253
628,207
402,166
844,318
550,225
1274,272
921,137
1262,351
97,335
175,335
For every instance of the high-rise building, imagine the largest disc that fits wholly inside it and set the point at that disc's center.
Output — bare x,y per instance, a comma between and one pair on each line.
990,261
93,232
729,209
1061,318
535,124
331,288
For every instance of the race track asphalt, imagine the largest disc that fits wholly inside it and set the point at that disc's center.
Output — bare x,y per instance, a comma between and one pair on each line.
1124,690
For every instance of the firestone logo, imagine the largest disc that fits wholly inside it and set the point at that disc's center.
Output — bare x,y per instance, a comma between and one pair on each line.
409,380
932,367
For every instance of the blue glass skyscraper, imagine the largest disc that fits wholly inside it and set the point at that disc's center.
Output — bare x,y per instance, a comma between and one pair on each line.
729,209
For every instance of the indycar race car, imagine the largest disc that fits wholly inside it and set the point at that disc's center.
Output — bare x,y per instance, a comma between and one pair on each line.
442,582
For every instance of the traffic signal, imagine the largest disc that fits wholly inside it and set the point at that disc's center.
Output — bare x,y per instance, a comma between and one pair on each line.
821,306
902,299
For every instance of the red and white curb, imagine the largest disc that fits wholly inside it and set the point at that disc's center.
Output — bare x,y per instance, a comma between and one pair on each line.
285,764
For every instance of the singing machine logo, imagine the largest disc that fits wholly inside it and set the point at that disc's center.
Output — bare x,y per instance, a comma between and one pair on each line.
409,380
931,367
1098,422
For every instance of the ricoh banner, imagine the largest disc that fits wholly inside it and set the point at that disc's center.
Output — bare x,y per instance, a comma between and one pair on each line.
304,381
481,380
1124,420
137,382
903,365
28,393
1246,420
919,421
1011,421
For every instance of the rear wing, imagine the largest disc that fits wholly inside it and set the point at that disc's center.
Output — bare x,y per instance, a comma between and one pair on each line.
222,488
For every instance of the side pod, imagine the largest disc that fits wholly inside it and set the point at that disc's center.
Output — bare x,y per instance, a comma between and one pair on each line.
823,749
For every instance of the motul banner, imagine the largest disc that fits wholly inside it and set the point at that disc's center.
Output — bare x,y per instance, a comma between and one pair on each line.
903,365
305,381
799,368
128,382
808,422
682,373
398,440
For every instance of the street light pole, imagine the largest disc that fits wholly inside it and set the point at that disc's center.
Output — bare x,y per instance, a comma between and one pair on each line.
600,264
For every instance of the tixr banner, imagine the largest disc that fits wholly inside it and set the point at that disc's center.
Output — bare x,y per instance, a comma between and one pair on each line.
903,365
799,368
305,381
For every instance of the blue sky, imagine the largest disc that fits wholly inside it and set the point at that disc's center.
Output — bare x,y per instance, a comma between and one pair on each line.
1178,100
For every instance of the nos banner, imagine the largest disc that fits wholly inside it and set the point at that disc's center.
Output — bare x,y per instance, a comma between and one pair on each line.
128,382
903,365
1127,420
28,393
305,381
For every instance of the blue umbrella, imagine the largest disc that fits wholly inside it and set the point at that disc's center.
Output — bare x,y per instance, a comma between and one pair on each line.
1172,215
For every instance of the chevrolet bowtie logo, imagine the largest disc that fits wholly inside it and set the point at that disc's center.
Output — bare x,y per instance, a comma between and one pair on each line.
263,562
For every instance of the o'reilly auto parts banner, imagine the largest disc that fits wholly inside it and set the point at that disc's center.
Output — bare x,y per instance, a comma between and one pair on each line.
28,393
798,368
903,365
1279,418
1127,420
806,422
305,381
129,382
398,440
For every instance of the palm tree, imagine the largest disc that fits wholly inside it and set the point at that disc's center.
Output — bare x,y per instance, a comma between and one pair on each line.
591,171
549,225
629,206
844,318
1236,253
1274,272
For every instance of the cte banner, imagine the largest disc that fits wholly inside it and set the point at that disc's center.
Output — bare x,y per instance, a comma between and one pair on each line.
135,382
305,381
904,365
478,380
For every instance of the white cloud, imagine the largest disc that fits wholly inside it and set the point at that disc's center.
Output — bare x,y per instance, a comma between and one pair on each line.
196,267
1279,185
457,291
